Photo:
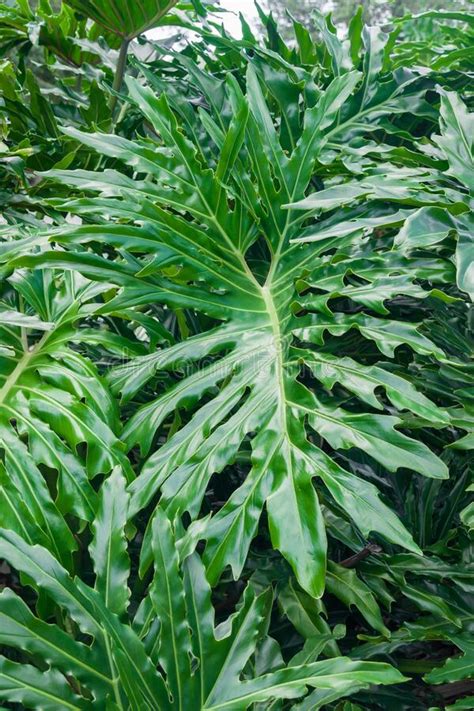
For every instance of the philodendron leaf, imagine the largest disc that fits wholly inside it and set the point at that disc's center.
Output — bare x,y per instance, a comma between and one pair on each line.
108,547
26,685
341,674
184,230
457,667
348,587
17,318
124,18
425,227
431,225
56,413
21,628
464,252
457,137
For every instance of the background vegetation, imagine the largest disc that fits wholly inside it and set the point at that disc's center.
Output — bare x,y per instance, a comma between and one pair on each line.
373,11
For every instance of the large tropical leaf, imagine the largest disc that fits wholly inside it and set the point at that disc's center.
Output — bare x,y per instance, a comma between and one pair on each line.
234,238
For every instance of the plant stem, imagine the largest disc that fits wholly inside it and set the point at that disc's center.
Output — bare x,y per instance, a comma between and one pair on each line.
369,549
119,72
417,666
20,367
23,330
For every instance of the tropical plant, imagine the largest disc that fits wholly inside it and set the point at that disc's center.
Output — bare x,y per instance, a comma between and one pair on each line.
235,371
439,40
126,20
374,12
190,230
54,65
112,664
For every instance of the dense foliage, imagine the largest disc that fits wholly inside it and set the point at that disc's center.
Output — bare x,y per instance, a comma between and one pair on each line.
236,406
374,12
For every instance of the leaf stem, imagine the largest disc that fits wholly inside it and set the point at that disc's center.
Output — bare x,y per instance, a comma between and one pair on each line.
23,330
115,677
20,367
119,72
369,549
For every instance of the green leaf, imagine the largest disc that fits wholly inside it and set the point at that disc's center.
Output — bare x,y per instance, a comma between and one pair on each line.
386,333
16,318
29,486
21,629
57,402
425,227
307,615
385,444
121,18
363,381
464,261
108,548
291,682
348,587
87,610
23,684
179,217
362,502
425,601
456,140
455,668
168,598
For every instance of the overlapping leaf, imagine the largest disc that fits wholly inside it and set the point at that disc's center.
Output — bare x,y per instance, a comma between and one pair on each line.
201,664
55,412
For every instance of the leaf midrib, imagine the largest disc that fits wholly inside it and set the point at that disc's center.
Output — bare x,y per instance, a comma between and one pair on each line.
20,367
